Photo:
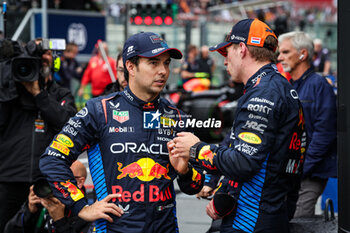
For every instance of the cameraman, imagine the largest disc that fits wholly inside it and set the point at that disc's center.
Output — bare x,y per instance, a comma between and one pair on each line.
27,126
28,219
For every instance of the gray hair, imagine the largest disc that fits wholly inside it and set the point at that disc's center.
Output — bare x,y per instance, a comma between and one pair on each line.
300,40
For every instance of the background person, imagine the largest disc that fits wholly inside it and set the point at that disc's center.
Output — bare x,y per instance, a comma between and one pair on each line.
127,144
97,73
319,104
190,65
321,59
70,70
268,121
27,125
56,218
121,82
206,63
194,74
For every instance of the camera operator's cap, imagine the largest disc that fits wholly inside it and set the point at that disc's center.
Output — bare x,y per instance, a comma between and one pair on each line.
249,31
147,44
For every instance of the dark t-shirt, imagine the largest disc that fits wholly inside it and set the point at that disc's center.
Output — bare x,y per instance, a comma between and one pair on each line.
205,65
320,59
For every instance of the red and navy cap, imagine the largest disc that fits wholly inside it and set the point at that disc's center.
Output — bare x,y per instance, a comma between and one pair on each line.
249,31
147,44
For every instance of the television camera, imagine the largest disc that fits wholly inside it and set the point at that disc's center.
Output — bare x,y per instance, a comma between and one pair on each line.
23,63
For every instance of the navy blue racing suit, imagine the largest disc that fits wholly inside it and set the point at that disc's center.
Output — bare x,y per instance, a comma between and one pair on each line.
263,163
126,141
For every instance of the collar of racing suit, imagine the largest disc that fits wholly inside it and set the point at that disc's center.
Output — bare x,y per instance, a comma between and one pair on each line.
143,105
255,79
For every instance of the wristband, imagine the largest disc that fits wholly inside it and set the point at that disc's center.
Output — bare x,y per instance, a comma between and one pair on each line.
193,150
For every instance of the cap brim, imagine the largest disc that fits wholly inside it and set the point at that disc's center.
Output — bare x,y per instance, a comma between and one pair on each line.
174,53
220,48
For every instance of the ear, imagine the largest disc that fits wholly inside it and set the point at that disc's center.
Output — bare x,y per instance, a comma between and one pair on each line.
303,54
243,49
130,67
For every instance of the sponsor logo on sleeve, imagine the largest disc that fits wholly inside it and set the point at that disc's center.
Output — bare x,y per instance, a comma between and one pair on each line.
74,123
206,154
262,100
259,108
83,112
249,137
53,153
257,117
63,139
70,130
196,176
245,148
75,193
255,126
60,147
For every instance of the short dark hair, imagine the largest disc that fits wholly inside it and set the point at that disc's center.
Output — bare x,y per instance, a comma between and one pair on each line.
120,56
135,60
191,48
264,54
70,46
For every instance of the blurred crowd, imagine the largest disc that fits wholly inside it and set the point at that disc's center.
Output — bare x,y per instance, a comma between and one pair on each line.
299,14
24,5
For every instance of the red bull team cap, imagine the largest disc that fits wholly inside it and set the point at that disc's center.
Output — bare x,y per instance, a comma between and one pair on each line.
249,31
147,44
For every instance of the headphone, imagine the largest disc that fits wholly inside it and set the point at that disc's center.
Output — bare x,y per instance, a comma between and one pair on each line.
56,62
33,49
301,57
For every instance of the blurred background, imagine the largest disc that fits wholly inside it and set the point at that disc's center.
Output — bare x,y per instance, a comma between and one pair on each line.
180,22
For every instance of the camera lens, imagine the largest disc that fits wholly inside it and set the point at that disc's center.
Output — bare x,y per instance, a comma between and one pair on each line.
24,69
42,188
